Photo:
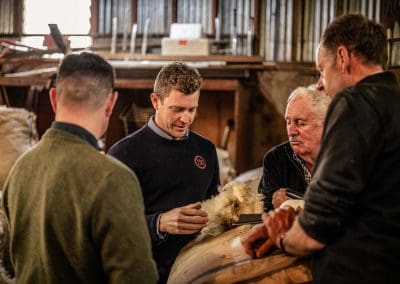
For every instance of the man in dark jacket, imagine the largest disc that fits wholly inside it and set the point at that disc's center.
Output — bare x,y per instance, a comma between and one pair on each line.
289,166
350,222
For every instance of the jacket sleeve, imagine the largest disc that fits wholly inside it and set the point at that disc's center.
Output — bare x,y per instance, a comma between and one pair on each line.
270,180
5,264
120,232
350,144
152,223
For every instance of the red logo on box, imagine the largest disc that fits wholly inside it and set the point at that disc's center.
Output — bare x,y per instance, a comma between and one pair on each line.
182,42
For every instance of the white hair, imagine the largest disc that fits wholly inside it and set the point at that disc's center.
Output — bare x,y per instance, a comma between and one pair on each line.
319,100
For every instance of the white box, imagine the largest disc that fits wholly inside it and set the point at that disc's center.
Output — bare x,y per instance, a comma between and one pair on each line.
188,31
174,46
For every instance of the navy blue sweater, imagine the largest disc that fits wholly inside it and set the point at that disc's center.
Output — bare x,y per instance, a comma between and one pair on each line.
172,173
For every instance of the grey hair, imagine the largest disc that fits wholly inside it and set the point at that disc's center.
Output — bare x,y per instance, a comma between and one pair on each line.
319,100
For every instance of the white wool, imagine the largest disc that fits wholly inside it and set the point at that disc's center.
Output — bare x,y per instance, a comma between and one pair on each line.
294,203
234,198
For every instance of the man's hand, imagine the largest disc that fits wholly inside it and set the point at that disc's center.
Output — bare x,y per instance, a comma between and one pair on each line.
279,197
184,220
256,242
279,221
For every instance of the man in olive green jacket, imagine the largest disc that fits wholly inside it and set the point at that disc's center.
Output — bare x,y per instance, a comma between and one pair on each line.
76,215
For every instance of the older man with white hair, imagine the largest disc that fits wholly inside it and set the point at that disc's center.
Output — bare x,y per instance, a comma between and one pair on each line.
288,166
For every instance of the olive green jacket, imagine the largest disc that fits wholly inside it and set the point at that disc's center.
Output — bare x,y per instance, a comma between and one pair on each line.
76,216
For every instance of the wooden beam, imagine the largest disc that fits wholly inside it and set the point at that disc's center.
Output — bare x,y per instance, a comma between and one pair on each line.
214,14
229,59
208,84
23,81
133,11
241,129
18,17
174,11
94,18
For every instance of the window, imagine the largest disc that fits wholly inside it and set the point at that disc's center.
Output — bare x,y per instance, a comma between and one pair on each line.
71,16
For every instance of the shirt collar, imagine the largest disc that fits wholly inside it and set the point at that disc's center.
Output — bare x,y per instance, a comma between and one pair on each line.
153,126
307,173
77,131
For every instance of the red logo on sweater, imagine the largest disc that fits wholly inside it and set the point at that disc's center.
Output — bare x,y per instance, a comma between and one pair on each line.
200,162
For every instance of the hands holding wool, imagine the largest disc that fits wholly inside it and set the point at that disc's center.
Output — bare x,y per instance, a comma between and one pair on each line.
183,220
263,237
279,197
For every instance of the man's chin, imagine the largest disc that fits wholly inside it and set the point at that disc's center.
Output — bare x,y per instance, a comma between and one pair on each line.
178,134
297,148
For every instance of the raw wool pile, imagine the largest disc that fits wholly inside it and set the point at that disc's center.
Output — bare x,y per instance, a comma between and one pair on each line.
17,134
234,198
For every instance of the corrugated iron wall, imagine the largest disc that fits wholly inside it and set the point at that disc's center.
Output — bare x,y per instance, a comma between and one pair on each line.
7,16
315,15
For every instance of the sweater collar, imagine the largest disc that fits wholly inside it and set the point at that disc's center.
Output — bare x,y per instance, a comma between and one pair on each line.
153,126
77,131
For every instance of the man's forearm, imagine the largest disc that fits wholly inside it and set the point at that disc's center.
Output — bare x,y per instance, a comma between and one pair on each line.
297,242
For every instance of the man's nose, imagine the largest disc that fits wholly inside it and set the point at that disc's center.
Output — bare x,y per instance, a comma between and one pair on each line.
185,117
292,130
320,85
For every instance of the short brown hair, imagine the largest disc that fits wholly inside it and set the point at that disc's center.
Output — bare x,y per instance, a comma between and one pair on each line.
179,76
357,33
84,79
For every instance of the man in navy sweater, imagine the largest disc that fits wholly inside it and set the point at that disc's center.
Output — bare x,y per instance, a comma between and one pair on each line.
176,167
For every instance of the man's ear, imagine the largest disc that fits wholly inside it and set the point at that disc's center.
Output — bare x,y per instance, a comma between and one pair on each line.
111,103
343,58
155,100
53,98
